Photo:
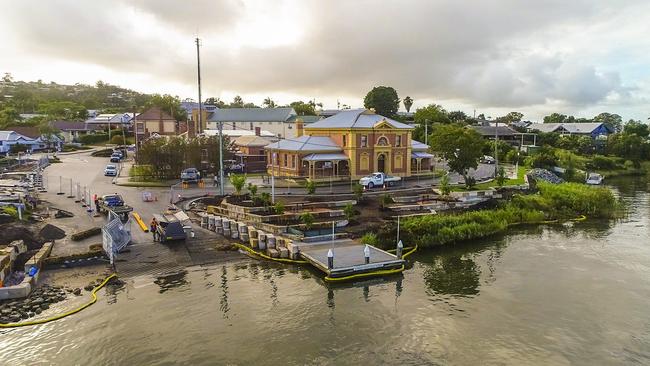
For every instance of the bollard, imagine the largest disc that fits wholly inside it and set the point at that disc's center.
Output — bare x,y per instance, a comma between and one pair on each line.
400,247
330,259
366,253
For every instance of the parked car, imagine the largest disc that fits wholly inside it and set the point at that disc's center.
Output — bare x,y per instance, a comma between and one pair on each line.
110,170
378,179
487,159
190,175
116,157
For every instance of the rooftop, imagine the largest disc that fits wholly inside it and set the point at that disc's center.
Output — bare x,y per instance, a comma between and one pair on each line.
155,114
252,115
492,130
306,143
253,141
357,118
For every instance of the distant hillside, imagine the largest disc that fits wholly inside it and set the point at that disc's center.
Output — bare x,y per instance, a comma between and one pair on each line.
25,97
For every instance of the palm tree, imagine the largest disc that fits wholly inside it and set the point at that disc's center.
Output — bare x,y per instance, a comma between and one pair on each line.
269,103
408,102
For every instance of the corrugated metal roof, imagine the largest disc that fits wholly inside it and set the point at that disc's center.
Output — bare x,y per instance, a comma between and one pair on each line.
12,136
584,128
326,157
237,133
417,145
545,127
306,143
251,115
253,141
492,130
419,154
356,118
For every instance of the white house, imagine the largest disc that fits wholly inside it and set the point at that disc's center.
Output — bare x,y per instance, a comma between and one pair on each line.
11,138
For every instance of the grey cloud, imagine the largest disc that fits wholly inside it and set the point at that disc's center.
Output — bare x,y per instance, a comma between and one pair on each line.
481,52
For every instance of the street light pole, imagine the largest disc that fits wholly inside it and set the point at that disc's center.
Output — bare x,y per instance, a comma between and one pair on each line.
496,148
426,132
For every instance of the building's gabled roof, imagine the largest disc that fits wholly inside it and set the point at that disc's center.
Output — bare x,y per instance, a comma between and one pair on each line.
283,114
418,146
545,127
12,136
356,118
27,131
191,106
585,128
253,141
155,114
306,143
492,130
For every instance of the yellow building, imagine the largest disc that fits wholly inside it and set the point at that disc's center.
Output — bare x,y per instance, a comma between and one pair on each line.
352,143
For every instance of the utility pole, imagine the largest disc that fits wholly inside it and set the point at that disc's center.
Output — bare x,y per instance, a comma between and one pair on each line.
496,149
199,127
426,132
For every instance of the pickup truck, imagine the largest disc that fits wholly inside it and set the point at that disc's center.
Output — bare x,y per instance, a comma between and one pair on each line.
190,175
378,179
115,203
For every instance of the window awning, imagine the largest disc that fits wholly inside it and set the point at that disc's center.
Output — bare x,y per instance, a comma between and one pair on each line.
420,155
325,157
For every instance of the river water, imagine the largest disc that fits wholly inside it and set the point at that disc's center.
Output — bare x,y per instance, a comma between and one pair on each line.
552,295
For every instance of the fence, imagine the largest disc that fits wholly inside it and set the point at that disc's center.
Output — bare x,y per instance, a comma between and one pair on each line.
116,235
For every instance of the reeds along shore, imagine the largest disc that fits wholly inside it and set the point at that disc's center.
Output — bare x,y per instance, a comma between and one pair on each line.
551,202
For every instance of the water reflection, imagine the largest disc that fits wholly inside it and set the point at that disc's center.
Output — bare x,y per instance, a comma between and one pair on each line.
223,299
453,275
170,281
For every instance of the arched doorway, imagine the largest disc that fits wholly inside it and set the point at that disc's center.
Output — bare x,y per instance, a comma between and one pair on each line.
381,163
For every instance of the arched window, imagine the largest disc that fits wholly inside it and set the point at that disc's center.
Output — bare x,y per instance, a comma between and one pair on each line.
382,141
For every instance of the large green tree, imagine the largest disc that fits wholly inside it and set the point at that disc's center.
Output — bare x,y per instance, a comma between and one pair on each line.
383,99
613,120
303,109
461,147
168,103
636,127
63,110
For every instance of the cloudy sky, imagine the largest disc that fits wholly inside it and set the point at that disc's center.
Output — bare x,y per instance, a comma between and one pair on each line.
579,57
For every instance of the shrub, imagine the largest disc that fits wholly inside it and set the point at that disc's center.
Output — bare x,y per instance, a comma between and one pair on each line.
238,181
501,177
370,238
349,211
11,211
143,173
264,199
444,185
252,189
310,186
278,208
603,163
307,219
357,190
629,164
117,140
385,200
93,138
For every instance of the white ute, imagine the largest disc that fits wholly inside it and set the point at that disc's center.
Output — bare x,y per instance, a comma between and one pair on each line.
378,179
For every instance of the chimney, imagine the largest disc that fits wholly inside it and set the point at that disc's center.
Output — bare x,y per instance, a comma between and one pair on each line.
299,126
258,131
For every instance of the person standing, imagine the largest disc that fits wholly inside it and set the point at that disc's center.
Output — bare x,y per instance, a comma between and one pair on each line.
153,226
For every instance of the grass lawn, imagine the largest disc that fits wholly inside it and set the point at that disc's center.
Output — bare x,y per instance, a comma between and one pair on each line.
493,183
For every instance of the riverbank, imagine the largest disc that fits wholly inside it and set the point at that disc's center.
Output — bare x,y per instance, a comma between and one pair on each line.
553,203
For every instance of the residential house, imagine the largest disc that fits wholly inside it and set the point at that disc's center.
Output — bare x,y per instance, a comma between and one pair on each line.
280,121
353,143
155,122
504,133
28,136
112,119
591,129
249,150
72,130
